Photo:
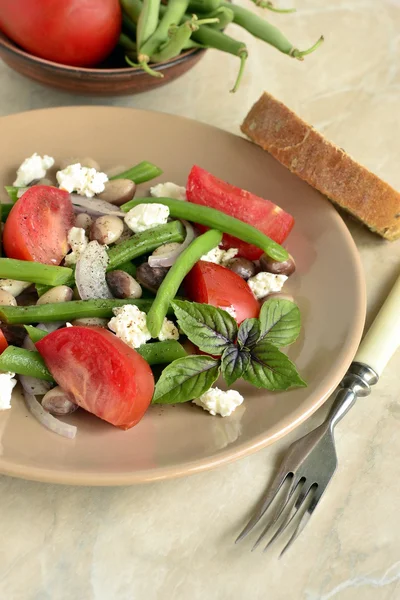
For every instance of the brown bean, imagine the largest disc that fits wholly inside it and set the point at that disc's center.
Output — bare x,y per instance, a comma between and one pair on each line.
118,191
106,229
7,299
287,267
59,293
90,322
150,277
242,267
84,221
85,161
123,285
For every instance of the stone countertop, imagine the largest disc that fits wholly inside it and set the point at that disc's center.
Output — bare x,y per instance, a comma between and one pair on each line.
173,540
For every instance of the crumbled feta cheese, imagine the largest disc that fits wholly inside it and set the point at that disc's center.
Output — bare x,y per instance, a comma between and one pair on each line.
263,284
86,182
78,241
68,324
219,256
146,216
229,309
218,402
7,384
168,190
129,324
32,168
169,331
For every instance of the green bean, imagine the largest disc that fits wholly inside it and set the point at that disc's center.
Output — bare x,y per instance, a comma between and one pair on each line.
24,362
144,171
128,26
132,8
267,32
125,42
216,39
66,311
24,270
42,289
179,38
217,220
203,6
170,285
148,21
12,191
35,333
5,211
271,7
160,353
224,15
191,44
145,242
172,16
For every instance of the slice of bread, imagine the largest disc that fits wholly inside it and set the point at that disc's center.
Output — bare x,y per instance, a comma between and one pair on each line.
326,167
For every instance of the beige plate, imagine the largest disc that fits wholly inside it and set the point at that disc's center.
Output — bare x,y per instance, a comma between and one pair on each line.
177,440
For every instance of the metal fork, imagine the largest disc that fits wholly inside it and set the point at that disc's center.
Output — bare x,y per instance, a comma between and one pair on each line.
309,465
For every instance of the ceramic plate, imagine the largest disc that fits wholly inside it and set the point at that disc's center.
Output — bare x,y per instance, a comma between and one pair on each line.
328,286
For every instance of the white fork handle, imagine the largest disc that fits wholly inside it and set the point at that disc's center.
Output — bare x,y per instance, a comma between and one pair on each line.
383,337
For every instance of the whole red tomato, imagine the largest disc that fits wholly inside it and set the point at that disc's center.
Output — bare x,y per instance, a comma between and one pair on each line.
79,33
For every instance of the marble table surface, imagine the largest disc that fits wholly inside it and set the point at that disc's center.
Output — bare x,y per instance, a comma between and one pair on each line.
173,540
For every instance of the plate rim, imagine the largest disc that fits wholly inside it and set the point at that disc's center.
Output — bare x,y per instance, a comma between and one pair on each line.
225,456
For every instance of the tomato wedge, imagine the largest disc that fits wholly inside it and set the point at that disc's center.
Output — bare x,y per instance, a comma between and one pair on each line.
216,285
3,342
37,226
103,374
207,190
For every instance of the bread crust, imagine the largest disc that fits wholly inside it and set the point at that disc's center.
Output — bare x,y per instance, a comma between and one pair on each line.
323,165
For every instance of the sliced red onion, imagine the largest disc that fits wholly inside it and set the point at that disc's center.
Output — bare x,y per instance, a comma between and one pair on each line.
167,260
47,420
94,206
58,403
50,327
90,272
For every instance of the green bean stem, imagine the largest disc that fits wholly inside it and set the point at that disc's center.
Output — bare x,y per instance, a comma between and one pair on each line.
179,38
216,39
148,21
66,311
132,8
144,171
24,362
271,7
145,242
170,285
267,32
216,219
24,270
224,15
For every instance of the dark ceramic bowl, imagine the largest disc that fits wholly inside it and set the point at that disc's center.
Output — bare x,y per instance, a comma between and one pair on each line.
105,80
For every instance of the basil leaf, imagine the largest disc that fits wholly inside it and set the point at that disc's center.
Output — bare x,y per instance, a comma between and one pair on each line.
280,322
211,329
271,369
249,332
185,379
234,363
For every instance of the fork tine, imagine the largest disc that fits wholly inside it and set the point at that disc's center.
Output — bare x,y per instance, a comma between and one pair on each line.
301,525
283,504
273,489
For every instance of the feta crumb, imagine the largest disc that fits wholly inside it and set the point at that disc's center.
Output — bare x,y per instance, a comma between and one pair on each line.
230,310
168,190
68,324
219,256
78,241
146,216
130,325
169,331
86,182
7,384
218,402
32,168
264,283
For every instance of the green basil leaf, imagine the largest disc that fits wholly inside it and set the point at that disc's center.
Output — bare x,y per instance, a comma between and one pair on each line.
211,329
280,322
234,363
185,379
271,369
249,332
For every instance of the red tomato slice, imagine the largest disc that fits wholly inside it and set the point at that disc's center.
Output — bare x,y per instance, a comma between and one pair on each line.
3,342
103,374
216,285
37,226
207,190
